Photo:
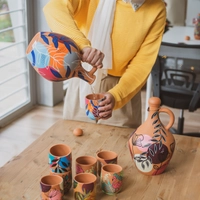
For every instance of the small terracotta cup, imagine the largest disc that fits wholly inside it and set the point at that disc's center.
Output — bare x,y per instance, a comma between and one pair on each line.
67,180
60,158
51,186
84,185
86,164
92,105
105,157
111,178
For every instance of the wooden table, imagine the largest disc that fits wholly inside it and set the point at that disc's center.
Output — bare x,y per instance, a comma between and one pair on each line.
19,179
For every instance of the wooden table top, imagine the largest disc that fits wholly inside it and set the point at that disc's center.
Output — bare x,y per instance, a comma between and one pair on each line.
19,179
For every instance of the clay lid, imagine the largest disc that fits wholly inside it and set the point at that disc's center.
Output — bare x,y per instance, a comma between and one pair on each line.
154,102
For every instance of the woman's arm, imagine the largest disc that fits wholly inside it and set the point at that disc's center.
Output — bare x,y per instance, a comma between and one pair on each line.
140,66
60,15
65,17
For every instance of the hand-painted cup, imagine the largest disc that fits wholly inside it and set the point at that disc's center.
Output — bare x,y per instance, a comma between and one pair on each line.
84,185
86,164
60,158
92,105
67,180
51,187
105,157
111,178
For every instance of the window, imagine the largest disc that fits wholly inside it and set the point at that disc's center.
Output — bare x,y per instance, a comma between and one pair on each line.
15,86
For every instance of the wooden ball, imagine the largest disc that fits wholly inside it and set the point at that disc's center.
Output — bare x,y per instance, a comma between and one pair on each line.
78,132
187,37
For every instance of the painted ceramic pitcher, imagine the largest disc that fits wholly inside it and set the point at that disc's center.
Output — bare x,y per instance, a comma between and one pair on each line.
196,22
152,144
57,58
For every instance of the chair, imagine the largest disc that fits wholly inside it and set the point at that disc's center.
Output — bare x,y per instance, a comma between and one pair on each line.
176,79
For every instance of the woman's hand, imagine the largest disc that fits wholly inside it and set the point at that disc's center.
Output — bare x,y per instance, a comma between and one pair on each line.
92,56
106,106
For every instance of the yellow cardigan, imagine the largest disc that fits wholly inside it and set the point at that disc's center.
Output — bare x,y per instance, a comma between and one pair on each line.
136,38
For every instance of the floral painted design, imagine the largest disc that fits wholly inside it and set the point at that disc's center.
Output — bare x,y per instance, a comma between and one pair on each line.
154,151
45,188
50,193
55,195
92,109
111,184
92,170
67,183
87,192
79,169
55,57
60,165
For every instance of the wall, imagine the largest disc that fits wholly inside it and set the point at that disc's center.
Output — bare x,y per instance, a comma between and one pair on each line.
193,8
182,12
48,93
176,11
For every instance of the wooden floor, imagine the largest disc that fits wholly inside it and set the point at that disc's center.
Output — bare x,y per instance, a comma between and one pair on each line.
20,134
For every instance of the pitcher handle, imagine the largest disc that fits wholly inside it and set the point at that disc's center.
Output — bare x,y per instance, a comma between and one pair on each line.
92,71
171,117
87,75
91,77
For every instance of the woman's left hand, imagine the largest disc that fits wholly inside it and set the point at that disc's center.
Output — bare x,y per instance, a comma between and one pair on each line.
106,106
93,56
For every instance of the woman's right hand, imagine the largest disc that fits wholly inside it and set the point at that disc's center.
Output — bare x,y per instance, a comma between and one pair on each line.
92,56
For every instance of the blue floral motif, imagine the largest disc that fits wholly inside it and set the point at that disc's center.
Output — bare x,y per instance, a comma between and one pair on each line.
39,56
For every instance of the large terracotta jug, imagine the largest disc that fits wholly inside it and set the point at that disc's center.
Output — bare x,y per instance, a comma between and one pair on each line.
57,58
152,144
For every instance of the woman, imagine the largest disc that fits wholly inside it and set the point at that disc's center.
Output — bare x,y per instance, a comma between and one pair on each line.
136,29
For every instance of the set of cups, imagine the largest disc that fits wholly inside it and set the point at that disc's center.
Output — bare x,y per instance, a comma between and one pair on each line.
88,168
59,180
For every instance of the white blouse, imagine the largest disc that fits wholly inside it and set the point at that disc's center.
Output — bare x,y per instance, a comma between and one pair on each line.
136,4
